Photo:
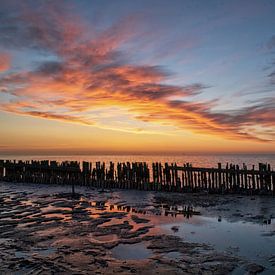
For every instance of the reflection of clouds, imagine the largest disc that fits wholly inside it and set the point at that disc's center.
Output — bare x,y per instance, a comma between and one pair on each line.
157,220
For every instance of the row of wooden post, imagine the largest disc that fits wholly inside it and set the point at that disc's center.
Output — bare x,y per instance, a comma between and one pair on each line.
138,175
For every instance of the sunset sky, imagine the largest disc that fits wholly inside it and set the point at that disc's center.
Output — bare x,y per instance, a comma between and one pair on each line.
137,76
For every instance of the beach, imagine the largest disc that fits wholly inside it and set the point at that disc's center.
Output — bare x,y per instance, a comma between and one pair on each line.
44,229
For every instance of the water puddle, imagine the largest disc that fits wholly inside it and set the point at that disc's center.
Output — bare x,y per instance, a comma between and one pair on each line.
40,251
245,239
136,251
44,252
173,255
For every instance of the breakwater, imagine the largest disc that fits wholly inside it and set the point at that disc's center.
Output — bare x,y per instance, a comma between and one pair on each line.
229,178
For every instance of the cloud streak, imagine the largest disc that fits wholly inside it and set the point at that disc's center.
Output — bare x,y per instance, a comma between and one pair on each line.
89,70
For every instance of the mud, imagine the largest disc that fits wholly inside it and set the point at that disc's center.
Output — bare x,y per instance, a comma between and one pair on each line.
43,230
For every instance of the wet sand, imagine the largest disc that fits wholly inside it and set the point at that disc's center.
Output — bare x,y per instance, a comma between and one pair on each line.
44,230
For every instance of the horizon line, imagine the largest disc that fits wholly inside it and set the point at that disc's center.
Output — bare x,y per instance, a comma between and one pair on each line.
127,153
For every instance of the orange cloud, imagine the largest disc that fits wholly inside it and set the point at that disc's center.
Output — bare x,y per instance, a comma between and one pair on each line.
89,72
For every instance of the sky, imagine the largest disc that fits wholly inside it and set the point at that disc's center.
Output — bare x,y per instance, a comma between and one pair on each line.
137,76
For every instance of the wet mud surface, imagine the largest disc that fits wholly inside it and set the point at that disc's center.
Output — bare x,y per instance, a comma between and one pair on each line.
44,230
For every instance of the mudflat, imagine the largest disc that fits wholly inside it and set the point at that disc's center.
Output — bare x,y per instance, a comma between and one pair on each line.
44,229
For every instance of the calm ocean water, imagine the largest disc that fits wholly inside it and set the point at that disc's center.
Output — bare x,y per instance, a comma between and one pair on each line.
196,160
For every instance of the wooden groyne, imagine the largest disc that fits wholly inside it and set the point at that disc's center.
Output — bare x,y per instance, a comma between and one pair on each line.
138,175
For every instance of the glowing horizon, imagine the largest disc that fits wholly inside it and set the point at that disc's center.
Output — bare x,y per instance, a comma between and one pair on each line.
79,76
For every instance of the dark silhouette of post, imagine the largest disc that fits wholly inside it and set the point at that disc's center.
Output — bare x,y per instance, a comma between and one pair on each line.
73,191
136,175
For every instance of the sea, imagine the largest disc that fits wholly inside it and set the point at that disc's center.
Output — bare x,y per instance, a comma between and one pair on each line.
197,160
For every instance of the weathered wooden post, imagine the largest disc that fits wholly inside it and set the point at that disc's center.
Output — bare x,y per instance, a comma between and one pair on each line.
245,176
1,169
261,169
177,183
171,187
154,174
273,182
268,178
253,182
237,179
195,181
191,178
199,181
219,180
86,172
160,177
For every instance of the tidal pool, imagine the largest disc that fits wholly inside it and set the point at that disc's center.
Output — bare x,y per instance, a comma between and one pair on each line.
253,241
137,251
